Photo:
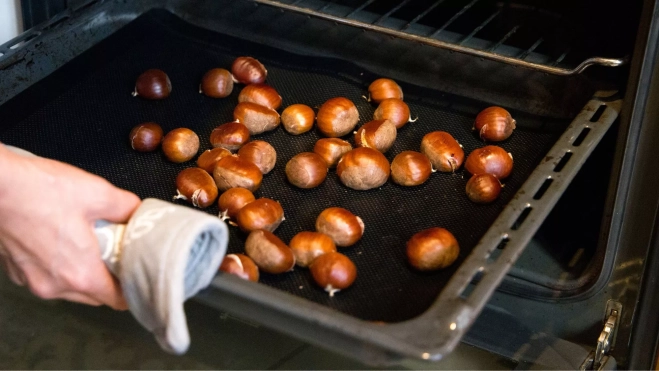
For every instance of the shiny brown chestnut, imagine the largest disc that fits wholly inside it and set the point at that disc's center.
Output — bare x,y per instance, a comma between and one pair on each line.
341,225
269,252
490,160
256,118
494,124
196,186
233,171
240,265
262,94
306,170
333,272
210,157
153,84
232,200
483,188
216,83
307,246
382,89
444,152
247,70
376,134
331,150
263,213
260,153
410,168
298,118
337,117
432,249
180,145
231,136
146,137
363,168
394,110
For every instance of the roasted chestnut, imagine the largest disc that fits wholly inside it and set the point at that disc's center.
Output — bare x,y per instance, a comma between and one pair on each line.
209,158
146,137
233,171
377,134
247,70
444,152
307,246
432,249
232,200
269,252
260,153
333,272
231,136
298,118
337,117
490,160
240,265
216,83
180,145
331,150
306,170
410,168
262,94
483,188
256,118
341,225
363,168
153,84
494,124
263,213
196,186
394,110
382,89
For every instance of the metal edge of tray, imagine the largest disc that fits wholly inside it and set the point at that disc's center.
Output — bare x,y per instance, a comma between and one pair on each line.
518,62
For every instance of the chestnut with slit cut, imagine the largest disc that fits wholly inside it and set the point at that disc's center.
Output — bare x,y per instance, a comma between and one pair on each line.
196,186
262,94
240,265
376,134
146,137
443,151
331,150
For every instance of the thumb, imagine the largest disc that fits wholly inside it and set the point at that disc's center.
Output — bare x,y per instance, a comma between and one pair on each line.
118,206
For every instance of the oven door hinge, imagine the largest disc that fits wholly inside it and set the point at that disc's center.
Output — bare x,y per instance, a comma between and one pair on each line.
599,357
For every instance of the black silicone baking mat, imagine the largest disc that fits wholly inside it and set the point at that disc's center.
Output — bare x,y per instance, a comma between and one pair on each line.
82,114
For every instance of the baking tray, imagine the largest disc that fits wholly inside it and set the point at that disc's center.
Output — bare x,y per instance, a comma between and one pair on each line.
82,113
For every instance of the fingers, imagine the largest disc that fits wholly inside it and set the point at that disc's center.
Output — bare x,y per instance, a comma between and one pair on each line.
117,205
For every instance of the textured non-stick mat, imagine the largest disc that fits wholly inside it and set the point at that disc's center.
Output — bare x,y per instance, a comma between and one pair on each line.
82,114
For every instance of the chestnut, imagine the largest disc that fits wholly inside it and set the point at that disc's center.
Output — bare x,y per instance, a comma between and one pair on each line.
256,118
337,117
307,246
306,170
216,83
260,153
263,213
333,272
196,186
341,225
146,137
153,84
262,94
377,134
432,249
494,124
382,89
363,168
410,168
247,70
490,160
180,145
298,118
240,265
232,200
233,171
444,152
331,150
394,110
209,158
231,136
269,252
483,188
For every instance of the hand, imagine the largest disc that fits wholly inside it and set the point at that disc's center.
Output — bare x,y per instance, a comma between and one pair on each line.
47,242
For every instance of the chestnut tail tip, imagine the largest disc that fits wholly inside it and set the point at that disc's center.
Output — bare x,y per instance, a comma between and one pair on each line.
179,196
412,120
331,290
200,91
223,215
134,93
